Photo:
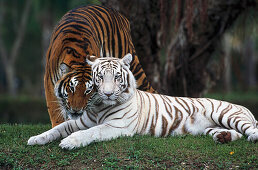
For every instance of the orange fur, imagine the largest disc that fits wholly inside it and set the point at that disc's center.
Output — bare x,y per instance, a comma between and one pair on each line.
90,30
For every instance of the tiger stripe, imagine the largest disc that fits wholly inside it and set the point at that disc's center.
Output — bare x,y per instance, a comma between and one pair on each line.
140,112
85,31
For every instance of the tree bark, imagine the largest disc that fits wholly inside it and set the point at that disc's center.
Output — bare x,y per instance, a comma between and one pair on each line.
248,53
227,63
199,26
47,25
186,73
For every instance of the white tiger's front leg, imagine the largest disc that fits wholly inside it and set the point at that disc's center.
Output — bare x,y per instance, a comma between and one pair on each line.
98,133
44,138
62,130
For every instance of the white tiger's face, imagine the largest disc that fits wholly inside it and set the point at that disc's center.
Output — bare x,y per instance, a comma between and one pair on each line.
113,79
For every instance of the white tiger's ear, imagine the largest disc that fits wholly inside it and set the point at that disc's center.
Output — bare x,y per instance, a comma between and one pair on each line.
90,59
127,59
63,69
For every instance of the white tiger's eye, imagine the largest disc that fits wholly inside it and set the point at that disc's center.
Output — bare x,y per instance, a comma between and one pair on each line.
117,77
100,76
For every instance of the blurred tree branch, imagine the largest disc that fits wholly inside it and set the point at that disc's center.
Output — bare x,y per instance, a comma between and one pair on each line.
9,58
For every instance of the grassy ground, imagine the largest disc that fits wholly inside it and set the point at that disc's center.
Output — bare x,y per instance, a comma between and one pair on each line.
183,152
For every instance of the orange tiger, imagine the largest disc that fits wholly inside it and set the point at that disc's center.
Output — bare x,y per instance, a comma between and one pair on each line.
84,31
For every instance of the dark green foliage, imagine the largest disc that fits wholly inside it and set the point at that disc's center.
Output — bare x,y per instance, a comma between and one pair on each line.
29,65
23,109
249,99
186,152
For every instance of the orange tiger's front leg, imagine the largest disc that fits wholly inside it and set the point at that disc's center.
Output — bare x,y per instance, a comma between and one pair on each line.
53,106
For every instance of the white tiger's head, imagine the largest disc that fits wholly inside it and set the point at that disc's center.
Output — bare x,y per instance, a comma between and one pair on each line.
113,79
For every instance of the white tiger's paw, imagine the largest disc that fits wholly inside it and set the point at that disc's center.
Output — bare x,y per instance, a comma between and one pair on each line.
253,137
226,136
71,142
235,135
38,140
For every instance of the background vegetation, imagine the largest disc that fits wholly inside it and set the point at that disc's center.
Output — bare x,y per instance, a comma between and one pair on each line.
209,62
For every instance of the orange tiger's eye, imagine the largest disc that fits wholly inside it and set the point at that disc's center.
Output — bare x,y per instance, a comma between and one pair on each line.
69,51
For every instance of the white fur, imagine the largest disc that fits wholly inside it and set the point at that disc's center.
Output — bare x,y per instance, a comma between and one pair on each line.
131,112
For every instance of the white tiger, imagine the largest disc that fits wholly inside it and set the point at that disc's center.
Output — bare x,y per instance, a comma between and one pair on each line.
119,109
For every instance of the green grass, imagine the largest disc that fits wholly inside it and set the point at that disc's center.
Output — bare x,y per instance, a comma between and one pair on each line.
147,152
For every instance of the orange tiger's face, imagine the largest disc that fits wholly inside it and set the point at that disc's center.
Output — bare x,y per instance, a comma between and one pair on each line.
73,85
73,91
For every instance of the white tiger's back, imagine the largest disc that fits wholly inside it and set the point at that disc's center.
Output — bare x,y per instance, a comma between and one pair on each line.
181,115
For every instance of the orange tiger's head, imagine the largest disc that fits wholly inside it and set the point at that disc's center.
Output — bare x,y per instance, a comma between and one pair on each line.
73,91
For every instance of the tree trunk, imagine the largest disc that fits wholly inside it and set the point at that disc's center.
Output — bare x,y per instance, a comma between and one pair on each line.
227,63
199,26
185,71
47,25
248,53
11,82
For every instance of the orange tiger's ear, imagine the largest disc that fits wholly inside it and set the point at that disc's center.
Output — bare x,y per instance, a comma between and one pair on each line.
90,59
63,68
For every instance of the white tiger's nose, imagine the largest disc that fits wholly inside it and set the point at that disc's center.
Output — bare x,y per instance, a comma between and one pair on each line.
108,94
108,89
